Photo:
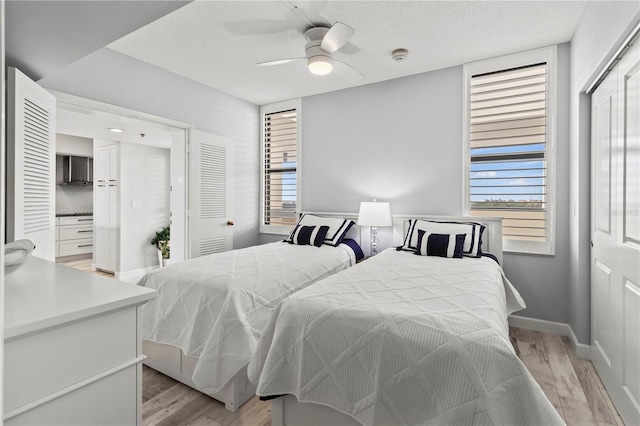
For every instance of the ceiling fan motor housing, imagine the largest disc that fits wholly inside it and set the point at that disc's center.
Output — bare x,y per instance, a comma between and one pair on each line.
318,60
316,33
314,38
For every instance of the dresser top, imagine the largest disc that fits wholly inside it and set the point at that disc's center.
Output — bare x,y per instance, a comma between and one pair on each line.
42,294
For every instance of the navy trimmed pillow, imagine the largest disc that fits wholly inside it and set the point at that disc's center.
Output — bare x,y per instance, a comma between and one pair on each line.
443,245
472,230
338,228
308,235
353,244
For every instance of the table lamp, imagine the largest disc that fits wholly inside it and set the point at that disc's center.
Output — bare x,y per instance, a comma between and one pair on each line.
374,214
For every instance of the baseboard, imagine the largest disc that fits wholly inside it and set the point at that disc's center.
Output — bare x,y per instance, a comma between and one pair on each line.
133,275
559,328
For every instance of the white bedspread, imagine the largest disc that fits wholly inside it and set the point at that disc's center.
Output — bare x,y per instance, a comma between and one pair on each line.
402,339
215,307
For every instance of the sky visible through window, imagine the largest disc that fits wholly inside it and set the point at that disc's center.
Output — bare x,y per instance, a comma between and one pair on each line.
289,183
499,183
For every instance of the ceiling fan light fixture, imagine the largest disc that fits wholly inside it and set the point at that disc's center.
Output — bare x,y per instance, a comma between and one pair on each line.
320,65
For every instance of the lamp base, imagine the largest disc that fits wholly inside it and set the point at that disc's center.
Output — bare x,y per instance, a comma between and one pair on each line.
374,241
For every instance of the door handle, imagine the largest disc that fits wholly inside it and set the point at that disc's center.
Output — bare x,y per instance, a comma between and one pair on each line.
229,223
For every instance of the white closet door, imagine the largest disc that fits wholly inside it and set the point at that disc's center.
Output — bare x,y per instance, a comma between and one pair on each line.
628,241
615,259
210,189
31,161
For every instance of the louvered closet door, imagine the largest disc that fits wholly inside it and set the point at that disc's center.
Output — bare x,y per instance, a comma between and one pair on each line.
31,161
615,259
210,189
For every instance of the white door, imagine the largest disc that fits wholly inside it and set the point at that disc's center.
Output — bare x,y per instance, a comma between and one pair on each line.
210,189
615,218
106,207
31,162
178,202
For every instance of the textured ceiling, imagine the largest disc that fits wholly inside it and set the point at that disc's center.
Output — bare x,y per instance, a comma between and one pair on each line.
218,43
43,36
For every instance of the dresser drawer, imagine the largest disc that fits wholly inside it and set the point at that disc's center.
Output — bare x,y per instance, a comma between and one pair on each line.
108,401
75,232
40,364
71,247
75,220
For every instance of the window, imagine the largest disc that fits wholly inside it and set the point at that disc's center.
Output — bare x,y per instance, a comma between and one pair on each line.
510,146
280,177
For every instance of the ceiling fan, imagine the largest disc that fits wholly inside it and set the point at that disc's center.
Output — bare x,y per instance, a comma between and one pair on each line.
321,43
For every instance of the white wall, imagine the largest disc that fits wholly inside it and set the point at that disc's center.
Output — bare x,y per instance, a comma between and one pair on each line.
603,27
401,141
144,203
117,79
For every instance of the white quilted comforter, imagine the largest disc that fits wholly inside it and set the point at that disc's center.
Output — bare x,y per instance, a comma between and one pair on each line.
215,307
402,339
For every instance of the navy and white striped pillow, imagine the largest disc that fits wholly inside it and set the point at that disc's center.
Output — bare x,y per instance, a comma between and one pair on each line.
443,245
472,230
308,235
338,228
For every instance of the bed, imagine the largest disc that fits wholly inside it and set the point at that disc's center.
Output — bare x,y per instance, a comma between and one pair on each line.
203,326
403,339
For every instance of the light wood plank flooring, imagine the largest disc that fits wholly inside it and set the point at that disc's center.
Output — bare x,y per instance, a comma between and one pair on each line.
571,384
81,262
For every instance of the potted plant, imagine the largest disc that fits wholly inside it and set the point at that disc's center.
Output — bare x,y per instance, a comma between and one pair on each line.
162,242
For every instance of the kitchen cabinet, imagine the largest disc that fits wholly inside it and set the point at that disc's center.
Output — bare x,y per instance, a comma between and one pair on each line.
71,363
74,235
105,211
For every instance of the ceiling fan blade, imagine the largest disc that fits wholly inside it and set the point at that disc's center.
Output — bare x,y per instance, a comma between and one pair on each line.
336,37
279,61
346,72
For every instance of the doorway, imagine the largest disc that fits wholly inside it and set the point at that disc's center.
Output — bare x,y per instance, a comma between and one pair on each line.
144,173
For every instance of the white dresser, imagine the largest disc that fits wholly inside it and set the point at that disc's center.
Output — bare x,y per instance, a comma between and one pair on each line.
72,347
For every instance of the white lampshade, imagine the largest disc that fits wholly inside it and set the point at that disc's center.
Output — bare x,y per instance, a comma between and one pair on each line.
374,214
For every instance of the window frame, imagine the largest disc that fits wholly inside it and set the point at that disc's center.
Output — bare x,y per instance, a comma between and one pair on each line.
269,109
548,55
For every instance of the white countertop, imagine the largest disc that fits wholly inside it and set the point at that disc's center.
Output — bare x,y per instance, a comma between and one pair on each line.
42,294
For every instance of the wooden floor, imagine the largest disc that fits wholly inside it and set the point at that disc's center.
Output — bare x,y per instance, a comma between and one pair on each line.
571,384
81,262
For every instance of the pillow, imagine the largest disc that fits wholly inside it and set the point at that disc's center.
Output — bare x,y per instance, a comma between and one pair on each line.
308,235
357,250
443,245
472,230
338,228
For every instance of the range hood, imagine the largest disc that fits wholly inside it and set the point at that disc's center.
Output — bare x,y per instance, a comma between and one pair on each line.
73,169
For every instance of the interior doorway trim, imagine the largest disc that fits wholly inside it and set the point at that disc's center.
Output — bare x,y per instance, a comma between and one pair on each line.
179,181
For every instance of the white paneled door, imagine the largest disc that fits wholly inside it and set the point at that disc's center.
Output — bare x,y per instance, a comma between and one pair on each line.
31,162
210,190
106,207
615,230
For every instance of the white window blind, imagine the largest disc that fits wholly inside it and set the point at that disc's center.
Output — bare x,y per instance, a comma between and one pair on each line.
509,118
280,168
